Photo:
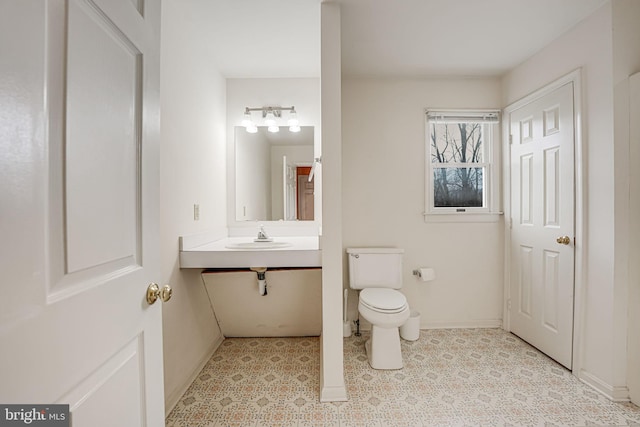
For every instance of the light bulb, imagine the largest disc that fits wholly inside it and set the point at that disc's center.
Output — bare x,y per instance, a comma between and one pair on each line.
270,119
294,128
252,128
273,128
293,120
246,120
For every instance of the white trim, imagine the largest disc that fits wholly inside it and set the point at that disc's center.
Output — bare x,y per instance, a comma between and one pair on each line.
333,394
463,217
490,165
633,339
614,393
467,324
575,77
172,399
458,115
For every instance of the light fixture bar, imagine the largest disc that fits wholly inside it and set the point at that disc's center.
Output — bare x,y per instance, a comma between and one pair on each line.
277,111
269,115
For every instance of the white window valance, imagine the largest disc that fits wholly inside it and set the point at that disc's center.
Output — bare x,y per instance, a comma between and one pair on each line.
480,116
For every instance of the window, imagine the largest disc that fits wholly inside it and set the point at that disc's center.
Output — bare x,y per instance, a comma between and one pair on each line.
461,149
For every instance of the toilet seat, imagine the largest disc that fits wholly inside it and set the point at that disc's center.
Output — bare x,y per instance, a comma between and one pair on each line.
383,300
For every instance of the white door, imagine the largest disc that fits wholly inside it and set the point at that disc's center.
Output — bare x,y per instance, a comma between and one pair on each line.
79,135
542,221
289,189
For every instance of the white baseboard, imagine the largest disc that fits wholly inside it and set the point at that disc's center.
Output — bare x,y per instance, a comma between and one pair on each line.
333,394
467,324
171,400
614,393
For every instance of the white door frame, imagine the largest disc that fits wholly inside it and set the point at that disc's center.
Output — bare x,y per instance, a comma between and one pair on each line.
574,77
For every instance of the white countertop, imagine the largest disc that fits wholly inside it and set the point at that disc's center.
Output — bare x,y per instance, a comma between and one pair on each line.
304,251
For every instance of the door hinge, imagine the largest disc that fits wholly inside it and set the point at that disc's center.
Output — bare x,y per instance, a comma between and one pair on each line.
509,304
510,139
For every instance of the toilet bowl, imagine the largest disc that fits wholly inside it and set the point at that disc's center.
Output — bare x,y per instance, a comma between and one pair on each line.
383,348
377,273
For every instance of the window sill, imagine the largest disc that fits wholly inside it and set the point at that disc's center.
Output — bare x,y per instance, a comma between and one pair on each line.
463,217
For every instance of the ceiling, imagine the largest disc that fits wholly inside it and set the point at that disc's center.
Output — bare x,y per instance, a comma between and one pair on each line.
261,38
281,38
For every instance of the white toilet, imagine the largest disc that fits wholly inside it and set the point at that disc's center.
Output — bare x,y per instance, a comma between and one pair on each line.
377,273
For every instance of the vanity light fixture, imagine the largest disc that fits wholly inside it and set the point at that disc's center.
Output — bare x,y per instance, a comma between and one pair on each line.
270,116
270,119
294,124
246,120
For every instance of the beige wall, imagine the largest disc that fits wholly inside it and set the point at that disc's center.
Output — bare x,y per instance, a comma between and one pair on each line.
604,47
289,308
192,171
383,156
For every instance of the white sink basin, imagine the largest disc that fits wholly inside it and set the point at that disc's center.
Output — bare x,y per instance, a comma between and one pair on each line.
257,245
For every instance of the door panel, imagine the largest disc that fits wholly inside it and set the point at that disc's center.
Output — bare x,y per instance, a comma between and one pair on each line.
551,260
83,334
542,207
552,187
102,121
120,376
524,283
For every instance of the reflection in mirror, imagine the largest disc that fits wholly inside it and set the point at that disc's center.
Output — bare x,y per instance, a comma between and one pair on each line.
272,175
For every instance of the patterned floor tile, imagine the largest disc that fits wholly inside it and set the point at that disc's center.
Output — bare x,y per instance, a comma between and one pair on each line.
316,414
451,377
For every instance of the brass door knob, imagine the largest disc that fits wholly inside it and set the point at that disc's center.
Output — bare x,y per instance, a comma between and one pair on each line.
564,240
165,293
154,292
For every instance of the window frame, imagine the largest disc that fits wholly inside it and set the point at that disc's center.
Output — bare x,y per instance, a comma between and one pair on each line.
489,212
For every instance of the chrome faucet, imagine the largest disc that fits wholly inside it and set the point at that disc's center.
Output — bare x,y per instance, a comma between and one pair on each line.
262,235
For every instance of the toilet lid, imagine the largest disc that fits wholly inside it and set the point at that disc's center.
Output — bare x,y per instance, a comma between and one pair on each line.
383,299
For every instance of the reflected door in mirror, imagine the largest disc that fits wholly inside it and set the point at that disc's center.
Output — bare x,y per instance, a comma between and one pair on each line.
305,193
266,183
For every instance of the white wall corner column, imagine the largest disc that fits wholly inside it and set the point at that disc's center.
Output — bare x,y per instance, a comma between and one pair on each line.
633,338
621,230
626,62
332,386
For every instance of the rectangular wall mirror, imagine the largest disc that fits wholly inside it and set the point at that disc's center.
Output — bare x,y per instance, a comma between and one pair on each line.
272,175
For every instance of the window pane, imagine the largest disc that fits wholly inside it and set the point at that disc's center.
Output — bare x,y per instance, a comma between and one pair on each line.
456,142
458,187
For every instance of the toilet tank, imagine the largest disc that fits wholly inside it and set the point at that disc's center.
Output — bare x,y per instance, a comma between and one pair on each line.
375,268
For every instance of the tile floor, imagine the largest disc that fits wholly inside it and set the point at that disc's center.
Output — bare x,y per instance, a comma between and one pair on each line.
451,377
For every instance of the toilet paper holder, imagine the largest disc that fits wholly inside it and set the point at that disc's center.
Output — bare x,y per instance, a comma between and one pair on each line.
425,274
